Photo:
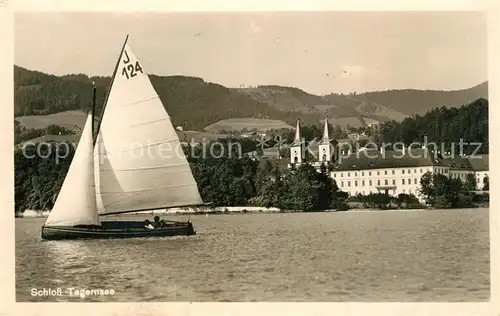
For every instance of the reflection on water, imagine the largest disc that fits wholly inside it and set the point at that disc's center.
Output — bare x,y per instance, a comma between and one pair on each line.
349,256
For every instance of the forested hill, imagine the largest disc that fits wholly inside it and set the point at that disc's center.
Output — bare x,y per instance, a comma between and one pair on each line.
421,101
468,123
195,103
191,102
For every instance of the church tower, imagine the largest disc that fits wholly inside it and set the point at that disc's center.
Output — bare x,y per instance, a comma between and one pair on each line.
324,147
296,154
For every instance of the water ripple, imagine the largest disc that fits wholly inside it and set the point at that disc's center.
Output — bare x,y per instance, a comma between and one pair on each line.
348,256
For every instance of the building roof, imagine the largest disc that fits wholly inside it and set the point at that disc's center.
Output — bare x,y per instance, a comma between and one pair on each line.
373,159
458,163
416,157
479,162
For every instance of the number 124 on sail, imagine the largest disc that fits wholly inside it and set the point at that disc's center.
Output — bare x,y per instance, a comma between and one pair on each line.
130,71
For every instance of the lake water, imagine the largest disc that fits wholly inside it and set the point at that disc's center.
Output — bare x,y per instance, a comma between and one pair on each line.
438,255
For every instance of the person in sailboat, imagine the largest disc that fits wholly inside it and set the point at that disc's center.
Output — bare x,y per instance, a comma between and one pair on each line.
148,224
158,222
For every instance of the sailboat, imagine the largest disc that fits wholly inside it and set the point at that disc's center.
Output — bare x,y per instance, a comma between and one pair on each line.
128,161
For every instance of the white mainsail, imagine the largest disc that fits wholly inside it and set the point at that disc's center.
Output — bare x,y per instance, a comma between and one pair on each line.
76,203
139,162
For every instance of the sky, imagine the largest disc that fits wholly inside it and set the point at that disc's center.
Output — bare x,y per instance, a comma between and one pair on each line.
319,52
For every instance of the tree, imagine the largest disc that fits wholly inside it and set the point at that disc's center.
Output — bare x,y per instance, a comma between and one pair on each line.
441,191
272,192
453,189
470,183
53,129
38,180
426,188
442,125
377,200
399,200
408,200
263,173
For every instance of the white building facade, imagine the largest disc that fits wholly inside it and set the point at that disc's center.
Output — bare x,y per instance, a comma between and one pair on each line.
480,165
392,181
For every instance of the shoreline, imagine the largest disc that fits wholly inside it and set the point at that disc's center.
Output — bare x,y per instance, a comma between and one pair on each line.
243,210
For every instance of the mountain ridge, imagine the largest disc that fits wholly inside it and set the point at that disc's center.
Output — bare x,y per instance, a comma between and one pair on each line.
195,103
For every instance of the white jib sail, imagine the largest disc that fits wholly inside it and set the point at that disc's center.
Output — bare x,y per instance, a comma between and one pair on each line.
139,162
76,203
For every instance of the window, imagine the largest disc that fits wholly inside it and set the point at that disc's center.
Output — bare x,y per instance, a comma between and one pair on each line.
445,170
414,170
369,182
385,172
348,183
393,172
386,182
378,182
369,173
393,181
421,171
362,173
334,175
409,170
341,174
355,183
342,184
378,173
415,181
363,182
355,174
402,181
403,171
348,174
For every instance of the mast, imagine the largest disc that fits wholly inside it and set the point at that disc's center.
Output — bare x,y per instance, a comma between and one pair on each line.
109,89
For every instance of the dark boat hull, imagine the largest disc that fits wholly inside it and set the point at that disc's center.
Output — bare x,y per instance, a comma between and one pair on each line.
117,229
